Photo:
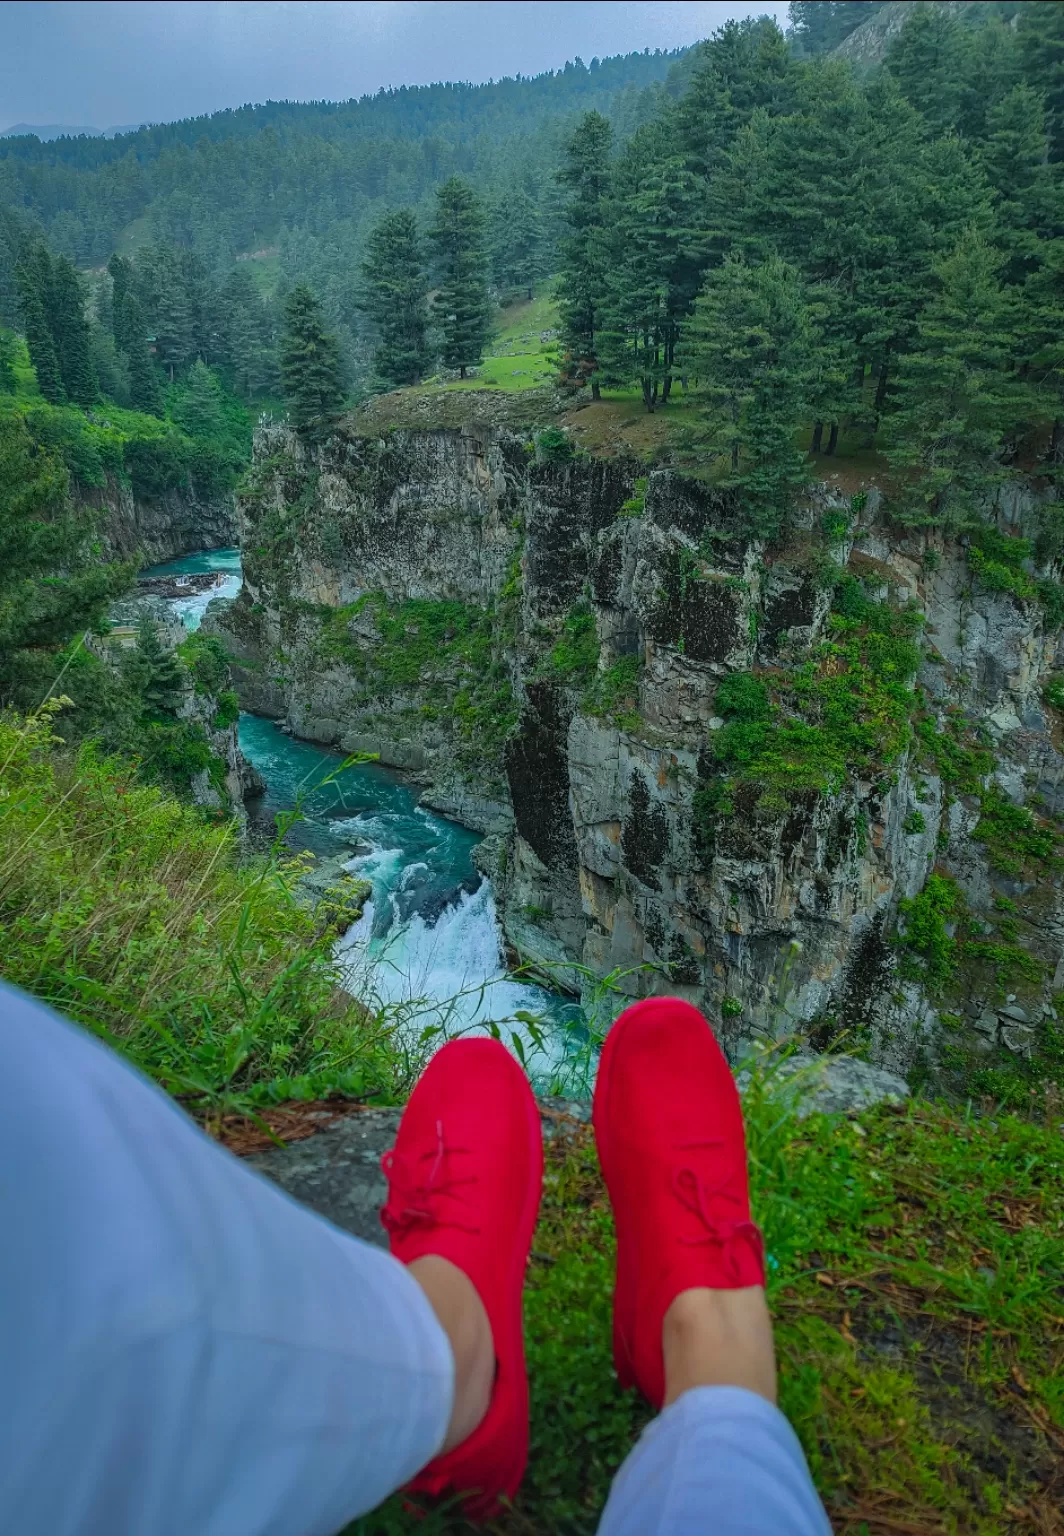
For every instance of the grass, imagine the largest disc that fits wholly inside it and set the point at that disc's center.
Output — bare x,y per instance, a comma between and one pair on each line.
519,358
133,914
916,1263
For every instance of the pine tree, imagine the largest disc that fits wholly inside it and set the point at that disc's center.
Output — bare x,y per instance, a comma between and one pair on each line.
813,204
959,396
163,680
1040,32
122,285
145,393
70,333
517,241
925,196
927,60
1041,312
585,174
247,342
199,410
745,65
311,373
53,585
655,248
34,278
1027,196
758,359
462,303
395,293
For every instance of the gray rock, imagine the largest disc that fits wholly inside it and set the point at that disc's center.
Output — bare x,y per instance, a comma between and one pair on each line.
830,1085
1015,1012
1018,1038
987,1024
338,1174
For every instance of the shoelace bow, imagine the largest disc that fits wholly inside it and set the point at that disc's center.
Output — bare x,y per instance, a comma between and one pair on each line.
414,1198
695,1194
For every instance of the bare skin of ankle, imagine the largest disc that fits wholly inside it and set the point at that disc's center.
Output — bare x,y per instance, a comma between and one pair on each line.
462,1317
719,1339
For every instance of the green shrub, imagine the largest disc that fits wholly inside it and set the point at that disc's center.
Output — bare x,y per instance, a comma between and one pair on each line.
1011,834
741,696
845,710
927,919
614,693
205,659
575,654
554,446
1053,692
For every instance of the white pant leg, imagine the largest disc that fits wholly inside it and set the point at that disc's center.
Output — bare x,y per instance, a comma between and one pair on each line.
184,1349
719,1460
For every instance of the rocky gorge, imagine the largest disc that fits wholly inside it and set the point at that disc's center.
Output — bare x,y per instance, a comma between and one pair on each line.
809,785
159,526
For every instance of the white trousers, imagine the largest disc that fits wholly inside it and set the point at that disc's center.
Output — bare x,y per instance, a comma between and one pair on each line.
185,1351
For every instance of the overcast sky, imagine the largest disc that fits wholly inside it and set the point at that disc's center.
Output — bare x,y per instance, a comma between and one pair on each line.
104,64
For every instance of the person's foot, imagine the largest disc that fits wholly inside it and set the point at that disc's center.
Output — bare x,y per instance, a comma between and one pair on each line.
669,1130
464,1182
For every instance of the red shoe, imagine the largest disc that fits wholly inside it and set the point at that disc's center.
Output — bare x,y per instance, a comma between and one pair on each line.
464,1181
670,1141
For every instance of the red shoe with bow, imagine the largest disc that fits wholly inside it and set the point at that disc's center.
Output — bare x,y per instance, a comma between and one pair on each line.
464,1182
669,1130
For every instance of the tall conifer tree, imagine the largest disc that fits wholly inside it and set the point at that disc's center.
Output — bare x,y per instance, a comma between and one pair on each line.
33,276
395,294
959,394
655,246
463,305
71,334
311,371
145,393
585,174
758,360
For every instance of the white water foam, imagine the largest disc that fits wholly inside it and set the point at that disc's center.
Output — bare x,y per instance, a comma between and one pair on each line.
448,975
190,610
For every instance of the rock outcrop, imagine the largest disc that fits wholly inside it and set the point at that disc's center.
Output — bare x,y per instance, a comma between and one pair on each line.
155,529
852,853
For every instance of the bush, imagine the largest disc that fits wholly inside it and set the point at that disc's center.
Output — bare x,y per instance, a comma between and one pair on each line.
575,654
926,935
205,659
553,446
741,696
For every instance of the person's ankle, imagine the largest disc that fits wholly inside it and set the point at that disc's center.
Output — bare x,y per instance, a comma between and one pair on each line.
719,1338
460,1313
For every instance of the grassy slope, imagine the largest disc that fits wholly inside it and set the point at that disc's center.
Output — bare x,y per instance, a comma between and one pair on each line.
916,1262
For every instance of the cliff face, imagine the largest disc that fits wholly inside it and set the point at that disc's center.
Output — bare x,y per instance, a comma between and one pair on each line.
806,786
175,523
